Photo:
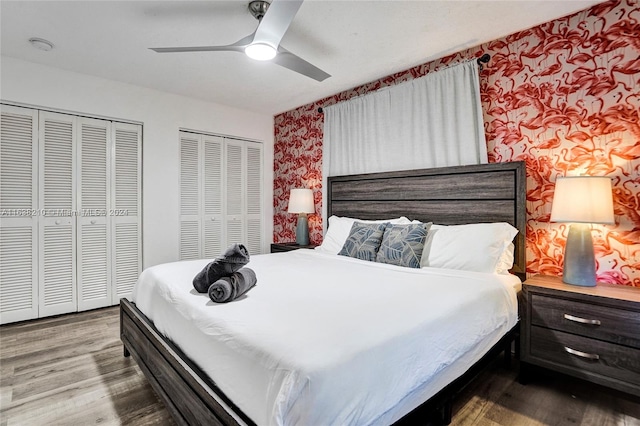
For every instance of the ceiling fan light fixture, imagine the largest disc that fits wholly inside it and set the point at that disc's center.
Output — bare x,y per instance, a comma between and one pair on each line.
260,51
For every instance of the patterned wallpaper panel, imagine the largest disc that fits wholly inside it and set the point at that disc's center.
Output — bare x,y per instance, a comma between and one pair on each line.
564,97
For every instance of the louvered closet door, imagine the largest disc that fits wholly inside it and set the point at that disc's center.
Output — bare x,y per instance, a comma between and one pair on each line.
18,214
235,192
124,210
57,229
94,274
254,192
212,172
190,189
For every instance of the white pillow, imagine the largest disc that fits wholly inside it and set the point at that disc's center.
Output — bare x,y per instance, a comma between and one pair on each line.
506,260
480,247
339,228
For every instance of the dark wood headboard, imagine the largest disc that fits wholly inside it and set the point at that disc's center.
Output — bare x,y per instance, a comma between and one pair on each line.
457,195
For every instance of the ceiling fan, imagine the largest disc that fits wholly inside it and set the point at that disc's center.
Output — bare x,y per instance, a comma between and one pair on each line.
264,44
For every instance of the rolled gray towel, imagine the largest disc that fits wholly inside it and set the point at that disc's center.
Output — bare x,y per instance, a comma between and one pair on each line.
234,258
230,288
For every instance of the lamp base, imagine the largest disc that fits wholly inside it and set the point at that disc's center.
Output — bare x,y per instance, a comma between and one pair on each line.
579,260
302,230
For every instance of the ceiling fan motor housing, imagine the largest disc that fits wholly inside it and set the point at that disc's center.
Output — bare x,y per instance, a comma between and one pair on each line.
258,8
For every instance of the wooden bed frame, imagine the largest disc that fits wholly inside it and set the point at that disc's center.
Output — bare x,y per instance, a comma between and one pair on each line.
447,196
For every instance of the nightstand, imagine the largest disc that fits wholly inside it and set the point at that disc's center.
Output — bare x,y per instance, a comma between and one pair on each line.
588,332
280,247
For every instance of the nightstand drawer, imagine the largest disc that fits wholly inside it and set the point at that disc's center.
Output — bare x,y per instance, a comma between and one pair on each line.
583,355
601,322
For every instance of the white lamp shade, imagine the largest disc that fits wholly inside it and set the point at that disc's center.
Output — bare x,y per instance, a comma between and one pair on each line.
301,201
583,199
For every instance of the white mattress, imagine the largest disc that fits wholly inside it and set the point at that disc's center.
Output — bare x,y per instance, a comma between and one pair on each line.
329,340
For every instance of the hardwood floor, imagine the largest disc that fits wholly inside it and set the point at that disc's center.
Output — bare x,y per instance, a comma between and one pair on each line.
69,370
497,398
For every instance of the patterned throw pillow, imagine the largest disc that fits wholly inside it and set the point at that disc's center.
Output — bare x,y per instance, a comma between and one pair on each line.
363,241
402,245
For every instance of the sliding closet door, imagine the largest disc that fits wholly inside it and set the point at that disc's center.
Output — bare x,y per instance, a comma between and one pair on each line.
18,218
213,188
254,191
125,209
70,219
220,195
190,189
244,190
235,191
57,228
201,189
94,252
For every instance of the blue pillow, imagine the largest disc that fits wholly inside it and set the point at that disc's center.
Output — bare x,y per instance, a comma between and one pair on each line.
363,241
402,245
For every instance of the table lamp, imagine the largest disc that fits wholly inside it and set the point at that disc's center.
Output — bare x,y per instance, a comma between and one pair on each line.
301,202
581,201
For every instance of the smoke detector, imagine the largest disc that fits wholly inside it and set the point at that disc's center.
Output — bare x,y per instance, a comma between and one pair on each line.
41,44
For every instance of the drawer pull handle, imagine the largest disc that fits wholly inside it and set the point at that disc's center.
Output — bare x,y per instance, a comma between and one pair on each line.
581,320
582,354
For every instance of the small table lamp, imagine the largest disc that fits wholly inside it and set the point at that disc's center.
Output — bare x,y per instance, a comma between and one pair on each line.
301,202
581,200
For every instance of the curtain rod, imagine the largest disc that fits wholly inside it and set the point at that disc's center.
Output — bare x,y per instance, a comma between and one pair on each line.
484,59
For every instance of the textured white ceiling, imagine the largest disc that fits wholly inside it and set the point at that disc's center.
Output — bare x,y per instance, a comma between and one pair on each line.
355,41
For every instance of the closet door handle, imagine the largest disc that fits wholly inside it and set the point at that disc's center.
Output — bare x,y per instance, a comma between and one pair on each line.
582,354
581,320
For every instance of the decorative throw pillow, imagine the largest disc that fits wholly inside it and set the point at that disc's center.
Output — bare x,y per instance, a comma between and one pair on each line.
402,245
363,241
339,228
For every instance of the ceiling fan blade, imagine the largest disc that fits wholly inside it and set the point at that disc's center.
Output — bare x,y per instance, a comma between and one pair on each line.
295,63
276,21
238,46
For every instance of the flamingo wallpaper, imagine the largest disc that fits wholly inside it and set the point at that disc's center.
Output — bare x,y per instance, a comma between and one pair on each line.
564,97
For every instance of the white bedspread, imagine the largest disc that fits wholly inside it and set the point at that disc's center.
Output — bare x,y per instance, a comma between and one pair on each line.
330,340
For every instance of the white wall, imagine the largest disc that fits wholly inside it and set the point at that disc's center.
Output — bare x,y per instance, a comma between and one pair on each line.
162,114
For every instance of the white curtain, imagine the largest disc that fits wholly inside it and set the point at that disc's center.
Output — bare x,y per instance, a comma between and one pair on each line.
432,121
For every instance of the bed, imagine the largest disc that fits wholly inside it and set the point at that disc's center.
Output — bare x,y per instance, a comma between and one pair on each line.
447,196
